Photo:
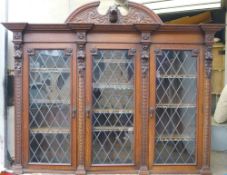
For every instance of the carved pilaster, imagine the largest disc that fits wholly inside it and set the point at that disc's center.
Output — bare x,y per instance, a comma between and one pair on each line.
145,56
18,64
208,40
81,102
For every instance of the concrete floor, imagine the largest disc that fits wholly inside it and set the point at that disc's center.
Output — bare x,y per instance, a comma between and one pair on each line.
219,163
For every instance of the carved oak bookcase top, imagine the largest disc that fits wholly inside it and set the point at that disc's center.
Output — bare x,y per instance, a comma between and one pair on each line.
112,94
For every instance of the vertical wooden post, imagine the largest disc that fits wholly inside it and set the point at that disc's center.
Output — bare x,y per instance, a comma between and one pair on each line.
18,62
145,56
81,36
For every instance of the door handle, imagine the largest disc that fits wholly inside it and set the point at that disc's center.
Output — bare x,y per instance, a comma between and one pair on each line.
151,111
88,111
74,111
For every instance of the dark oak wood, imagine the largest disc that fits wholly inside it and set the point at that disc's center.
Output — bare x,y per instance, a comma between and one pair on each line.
144,35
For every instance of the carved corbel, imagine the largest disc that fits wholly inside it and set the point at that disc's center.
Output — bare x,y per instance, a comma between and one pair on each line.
68,51
131,52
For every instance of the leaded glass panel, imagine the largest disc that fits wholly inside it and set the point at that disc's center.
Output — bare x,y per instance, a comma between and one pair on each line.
49,107
113,104
176,81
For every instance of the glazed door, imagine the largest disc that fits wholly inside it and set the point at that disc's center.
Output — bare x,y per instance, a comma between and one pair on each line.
49,124
112,75
174,124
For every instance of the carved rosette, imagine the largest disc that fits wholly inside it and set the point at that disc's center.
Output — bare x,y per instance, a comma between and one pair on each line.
81,36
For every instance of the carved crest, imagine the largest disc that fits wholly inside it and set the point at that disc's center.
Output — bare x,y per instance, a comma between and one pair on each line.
138,14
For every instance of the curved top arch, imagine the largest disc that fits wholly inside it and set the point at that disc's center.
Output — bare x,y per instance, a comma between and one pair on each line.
138,14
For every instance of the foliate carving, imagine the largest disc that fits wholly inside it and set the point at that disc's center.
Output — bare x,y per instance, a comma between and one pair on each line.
17,51
131,51
81,36
195,52
209,37
208,60
158,52
17,36
81,52
18,66
135,16
31,51
68,51
94,51
146,36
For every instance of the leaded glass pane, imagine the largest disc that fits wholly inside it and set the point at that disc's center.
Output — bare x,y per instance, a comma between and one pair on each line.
176,81
49,99
113,104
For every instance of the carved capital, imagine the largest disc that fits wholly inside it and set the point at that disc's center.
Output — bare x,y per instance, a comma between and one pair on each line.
208,60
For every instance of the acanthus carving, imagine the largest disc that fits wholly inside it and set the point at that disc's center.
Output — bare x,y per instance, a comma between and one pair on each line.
135,16
208,60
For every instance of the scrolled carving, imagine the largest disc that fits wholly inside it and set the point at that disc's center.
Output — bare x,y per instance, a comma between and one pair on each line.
136,15
208,60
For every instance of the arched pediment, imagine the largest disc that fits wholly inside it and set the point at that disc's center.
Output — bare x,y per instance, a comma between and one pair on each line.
137,14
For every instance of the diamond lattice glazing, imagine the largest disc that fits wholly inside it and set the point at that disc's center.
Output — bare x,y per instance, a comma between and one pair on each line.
49,115
113,103
175,107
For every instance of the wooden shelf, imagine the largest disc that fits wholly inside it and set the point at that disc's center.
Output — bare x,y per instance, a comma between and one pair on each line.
177,76
117,111
46,101
50,130
113,128
113,86
56,70
175,137
117,61
180,105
